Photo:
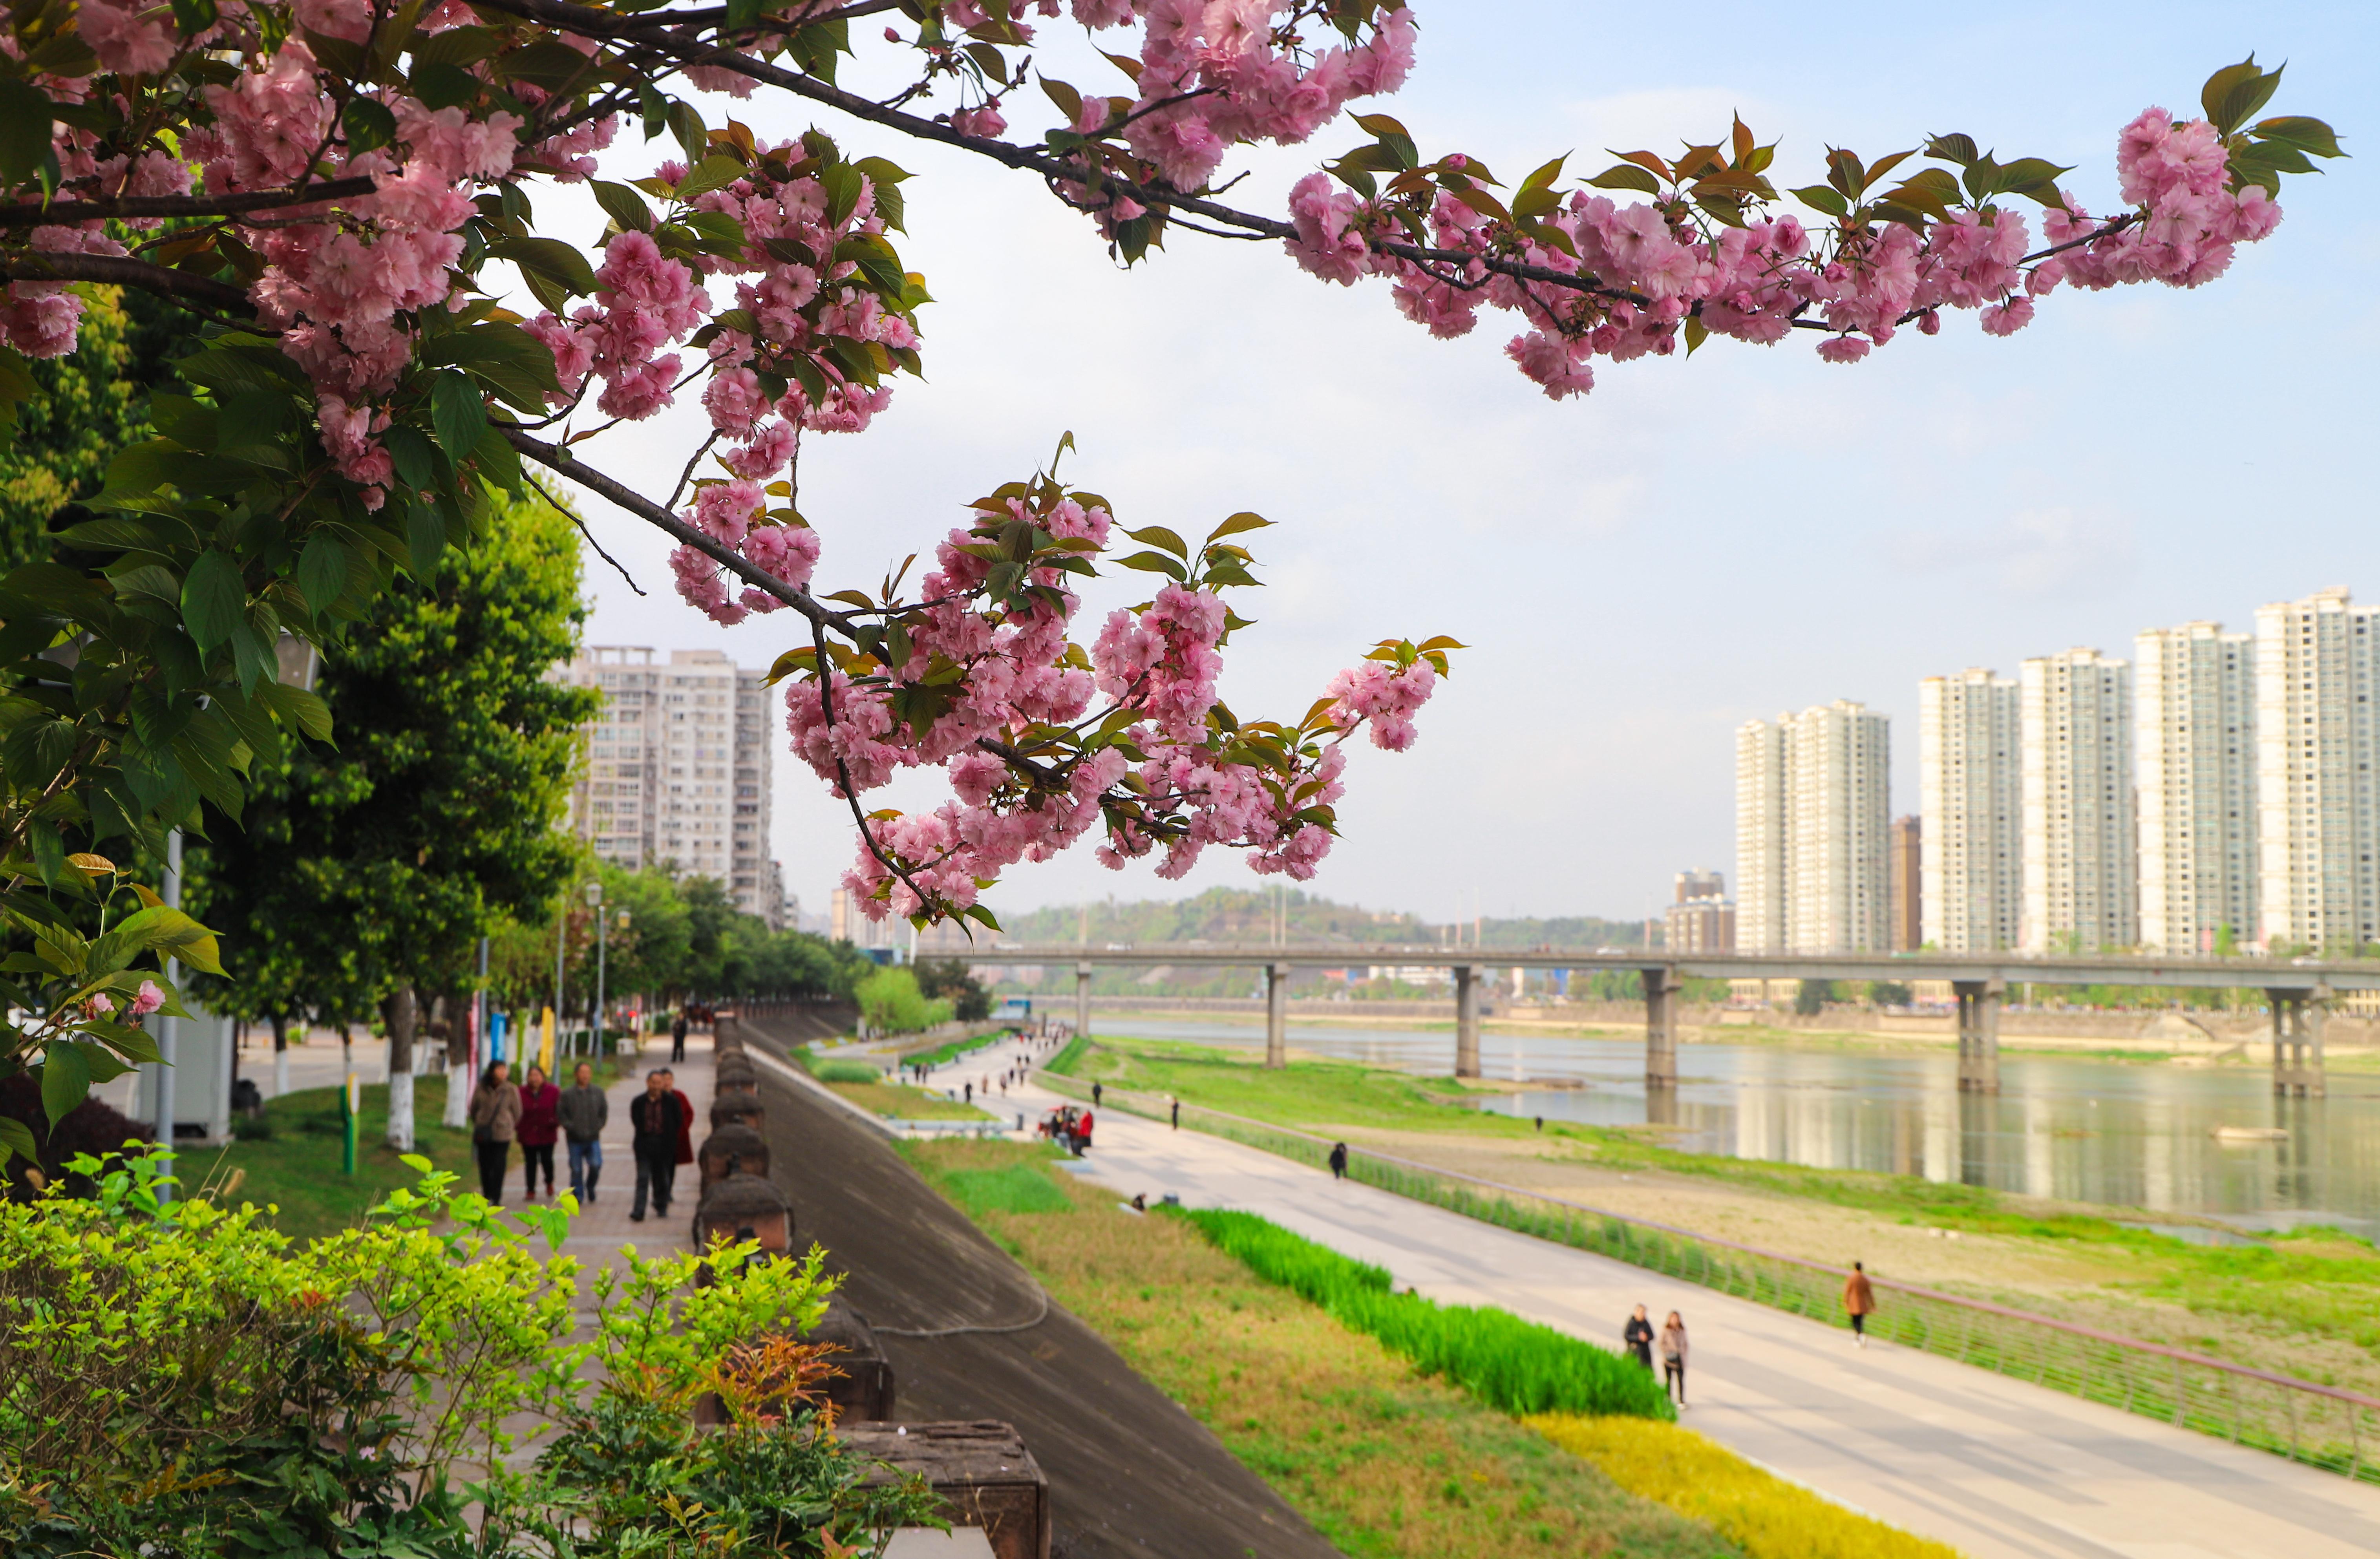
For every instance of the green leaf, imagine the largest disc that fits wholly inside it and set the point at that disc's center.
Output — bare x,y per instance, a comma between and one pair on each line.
457,414
1626,175
24,130
65,1081
551,258
1244,520
214,597
715,172
299,708
1159,536
425,540
550,64
441,85
17,1140
368,124
1952,148
2235,92
1155,563
2310,136
622,205
1819,197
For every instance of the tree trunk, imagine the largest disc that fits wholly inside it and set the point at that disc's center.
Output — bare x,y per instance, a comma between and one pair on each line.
460,1039
280,1055
402,1010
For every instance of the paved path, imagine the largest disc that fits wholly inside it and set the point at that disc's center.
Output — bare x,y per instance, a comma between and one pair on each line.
2001,1468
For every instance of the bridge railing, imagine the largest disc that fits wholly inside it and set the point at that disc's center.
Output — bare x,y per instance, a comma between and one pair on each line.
2321,1426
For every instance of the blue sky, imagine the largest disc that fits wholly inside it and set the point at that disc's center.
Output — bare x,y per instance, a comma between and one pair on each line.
1694,544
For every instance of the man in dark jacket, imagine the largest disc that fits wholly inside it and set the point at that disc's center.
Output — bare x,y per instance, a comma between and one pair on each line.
656,1117
677,1038
584,1111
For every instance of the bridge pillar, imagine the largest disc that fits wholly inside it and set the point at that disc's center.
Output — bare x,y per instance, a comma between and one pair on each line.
2296,1041
1979,1033
1276,1015
1083,1001
1661,987
1466,1021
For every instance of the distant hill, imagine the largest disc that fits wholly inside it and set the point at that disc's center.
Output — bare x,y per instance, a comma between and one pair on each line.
1244,916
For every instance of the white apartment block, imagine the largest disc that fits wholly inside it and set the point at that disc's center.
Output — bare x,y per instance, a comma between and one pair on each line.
2194,774
678,770
1970,795
2082,873
2317,797
1760,836
1838,814
1812,846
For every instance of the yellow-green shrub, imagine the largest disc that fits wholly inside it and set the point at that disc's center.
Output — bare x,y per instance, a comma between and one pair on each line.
1763,1515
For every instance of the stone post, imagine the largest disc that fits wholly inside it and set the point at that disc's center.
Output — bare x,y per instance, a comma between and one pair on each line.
1466,1021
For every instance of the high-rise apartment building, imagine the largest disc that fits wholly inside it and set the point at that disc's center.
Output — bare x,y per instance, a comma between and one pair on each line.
2082,871
1970,793
1905,884
1811,821
2194,777
2317,794
1701,919
678,770
1760,836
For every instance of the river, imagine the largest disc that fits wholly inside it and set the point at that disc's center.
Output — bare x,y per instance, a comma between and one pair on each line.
2138,1135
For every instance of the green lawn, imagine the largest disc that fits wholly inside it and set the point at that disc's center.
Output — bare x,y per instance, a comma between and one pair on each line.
2314,1280
899,1102
296,1169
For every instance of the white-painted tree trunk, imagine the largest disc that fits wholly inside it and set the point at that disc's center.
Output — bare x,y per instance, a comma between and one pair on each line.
401,1012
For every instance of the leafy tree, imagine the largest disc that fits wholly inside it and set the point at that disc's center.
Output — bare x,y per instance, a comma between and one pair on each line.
890,1002
949,979
1811,997
1889,994
365,877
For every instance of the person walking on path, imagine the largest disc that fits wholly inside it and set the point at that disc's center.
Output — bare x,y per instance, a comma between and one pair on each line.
494,1114
677,1036
584,1111
685,1119
1082,1135
655,1117
1338,1161
1177,1114
1859,1301
1638,1336
1097,1093
538,1128
1673,1356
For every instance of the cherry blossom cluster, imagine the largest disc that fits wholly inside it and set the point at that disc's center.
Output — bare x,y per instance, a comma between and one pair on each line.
1649,269
1044,740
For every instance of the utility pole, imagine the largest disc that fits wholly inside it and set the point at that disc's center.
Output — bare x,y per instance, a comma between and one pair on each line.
561,946
595,902
169,1027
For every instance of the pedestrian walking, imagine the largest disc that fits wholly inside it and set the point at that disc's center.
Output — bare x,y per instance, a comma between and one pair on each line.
1338,1161
1638,1336
655,1117
1082,1135
1859,1302
970,1091
677,1036
1673,1356
538,1128
1177,1114
584,1112
1096,1094
494,1114
684,1120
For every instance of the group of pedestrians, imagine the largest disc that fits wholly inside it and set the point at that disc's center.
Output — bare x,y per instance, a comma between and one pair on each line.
535,1113
1643,1341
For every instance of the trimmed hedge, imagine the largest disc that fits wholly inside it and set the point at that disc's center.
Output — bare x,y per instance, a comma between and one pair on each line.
1516,1366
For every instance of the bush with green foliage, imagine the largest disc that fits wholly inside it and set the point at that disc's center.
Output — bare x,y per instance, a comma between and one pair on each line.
1514,1365
179,1380
889,1003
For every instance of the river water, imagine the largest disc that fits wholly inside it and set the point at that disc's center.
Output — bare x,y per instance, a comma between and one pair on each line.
2133,1136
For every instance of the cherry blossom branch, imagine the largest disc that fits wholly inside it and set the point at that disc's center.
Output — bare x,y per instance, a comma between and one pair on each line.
63,212
116,270
564,510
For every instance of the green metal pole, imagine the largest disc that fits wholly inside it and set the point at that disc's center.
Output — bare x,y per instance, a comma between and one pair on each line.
350,1126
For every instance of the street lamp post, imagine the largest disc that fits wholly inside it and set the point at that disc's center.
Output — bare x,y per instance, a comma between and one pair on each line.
595,1025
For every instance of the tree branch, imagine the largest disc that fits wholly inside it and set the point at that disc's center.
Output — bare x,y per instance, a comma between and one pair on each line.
116,270
60,212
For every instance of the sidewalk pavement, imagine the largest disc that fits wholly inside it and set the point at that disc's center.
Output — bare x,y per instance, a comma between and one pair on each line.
2001,1468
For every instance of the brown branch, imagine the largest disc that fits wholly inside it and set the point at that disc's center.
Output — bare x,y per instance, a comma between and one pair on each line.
116,270
132,206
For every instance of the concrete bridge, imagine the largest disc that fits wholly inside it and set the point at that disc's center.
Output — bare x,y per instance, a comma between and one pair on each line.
2297,990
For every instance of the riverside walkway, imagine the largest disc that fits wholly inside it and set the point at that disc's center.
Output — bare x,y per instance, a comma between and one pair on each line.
2000,1469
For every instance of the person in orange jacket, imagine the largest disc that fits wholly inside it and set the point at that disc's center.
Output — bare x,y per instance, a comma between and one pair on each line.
1859,1301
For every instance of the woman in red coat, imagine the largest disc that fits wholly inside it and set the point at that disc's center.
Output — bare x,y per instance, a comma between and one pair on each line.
540,1123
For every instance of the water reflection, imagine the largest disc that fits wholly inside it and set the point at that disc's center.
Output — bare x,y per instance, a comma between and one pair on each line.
2164,1138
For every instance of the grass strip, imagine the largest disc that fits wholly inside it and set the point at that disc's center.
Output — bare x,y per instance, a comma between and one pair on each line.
1387,1463
1515,1366
1763,1514
292,1164
1070,1056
